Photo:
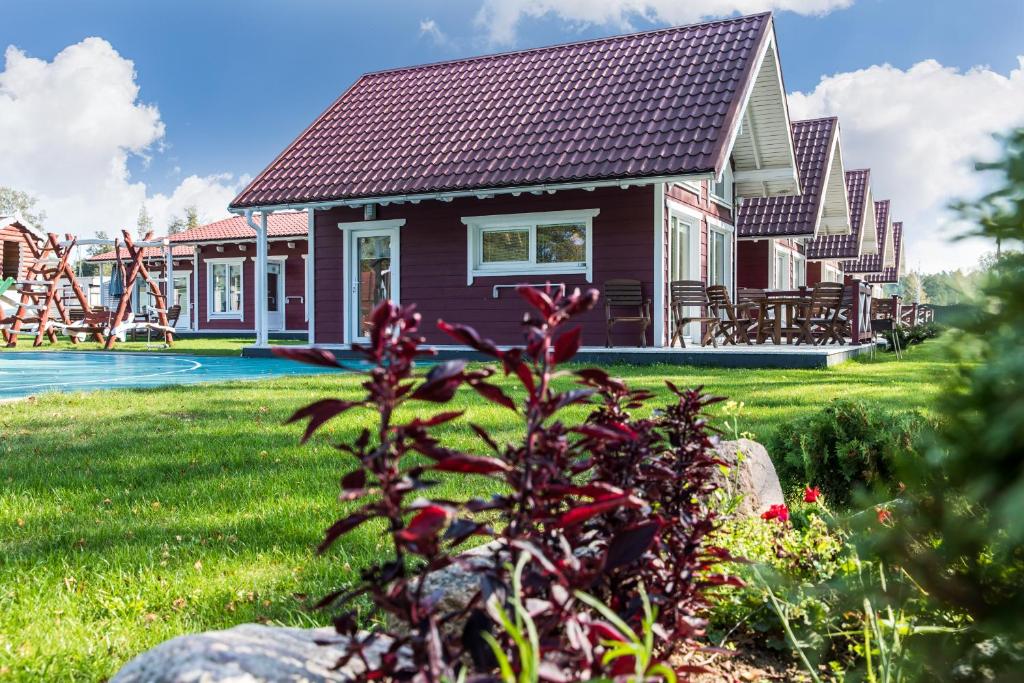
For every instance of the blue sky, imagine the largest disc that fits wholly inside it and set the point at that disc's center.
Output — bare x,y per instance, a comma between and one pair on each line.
234,81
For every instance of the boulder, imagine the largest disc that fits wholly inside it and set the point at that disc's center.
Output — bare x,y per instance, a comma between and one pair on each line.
751,475
250,653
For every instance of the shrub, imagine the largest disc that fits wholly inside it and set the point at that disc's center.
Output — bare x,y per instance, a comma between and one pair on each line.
845,446
612,508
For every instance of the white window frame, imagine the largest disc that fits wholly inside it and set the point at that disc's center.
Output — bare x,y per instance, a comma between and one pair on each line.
232,315
477,225
799,268
830,273
727,180
716,225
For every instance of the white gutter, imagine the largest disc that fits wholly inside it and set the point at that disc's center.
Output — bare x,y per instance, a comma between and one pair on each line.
480,192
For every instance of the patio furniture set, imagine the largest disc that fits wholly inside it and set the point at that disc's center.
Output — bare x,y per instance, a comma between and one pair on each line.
815,316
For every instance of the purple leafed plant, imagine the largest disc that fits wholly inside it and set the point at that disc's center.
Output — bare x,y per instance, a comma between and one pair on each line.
610,505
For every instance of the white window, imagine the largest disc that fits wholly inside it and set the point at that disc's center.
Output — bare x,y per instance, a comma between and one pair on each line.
556,242
799,270
224,289
720,191
831,274
781,269
720,253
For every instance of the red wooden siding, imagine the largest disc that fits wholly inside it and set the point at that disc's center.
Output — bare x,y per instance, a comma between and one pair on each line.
433,261
294,284
14,250
813,273
752,263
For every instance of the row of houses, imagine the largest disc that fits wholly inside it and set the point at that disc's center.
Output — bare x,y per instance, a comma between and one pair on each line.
658,156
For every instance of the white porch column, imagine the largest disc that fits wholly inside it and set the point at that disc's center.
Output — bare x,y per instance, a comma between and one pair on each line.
261,281
168,274
311,275
195,293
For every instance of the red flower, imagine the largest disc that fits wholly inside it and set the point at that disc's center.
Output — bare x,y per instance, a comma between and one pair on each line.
884,515
779,512
812,495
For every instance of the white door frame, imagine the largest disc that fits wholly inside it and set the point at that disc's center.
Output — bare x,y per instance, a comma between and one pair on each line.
275,321
367,229
693,220
185,319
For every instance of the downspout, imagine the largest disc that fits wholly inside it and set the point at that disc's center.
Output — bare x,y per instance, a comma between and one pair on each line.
260,304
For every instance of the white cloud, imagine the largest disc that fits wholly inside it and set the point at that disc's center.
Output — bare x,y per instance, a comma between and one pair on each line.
431,29
68,129
920,131
500,18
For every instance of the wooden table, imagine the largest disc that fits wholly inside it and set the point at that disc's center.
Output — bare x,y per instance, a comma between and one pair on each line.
780,303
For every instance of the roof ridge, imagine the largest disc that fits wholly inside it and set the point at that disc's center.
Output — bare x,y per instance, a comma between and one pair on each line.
558,46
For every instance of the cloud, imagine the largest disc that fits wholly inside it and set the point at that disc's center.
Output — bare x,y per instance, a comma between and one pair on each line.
500,19
431,29
69,127
920,130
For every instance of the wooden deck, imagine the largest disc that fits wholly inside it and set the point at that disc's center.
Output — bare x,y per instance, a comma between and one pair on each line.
755,356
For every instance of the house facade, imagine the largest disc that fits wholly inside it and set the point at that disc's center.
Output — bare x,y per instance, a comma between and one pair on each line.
775,232
214,271
448,184
883,256
826,254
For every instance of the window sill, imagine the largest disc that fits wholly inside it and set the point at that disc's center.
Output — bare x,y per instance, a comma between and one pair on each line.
225,316
721,202
531,272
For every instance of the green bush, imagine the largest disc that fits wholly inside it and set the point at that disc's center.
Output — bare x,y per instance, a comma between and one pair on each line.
845,446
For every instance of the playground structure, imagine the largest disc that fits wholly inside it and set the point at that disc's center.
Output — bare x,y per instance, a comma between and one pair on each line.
40,307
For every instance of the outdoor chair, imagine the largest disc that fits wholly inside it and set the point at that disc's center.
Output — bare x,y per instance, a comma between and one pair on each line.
822,315
686,294
735,321
750,300
624,302
173,313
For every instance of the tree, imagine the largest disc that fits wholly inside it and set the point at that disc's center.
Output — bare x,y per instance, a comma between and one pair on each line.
144,224
186,222
911,289
17,202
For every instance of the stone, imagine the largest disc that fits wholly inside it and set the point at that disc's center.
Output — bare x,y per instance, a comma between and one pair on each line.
751,475
250,653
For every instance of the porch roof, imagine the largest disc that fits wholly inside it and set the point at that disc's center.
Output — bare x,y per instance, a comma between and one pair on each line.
17,220
822,208
235,229
862,223
147,253
659,104
883,256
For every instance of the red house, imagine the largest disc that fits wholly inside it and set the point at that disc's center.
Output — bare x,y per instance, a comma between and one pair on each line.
774,232
214,275
827,253
884,256
448,184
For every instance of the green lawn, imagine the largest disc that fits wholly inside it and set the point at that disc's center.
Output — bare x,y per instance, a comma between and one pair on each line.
128,517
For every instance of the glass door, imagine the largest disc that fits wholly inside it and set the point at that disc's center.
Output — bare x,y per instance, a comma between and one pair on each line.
182,291
275,296
374,275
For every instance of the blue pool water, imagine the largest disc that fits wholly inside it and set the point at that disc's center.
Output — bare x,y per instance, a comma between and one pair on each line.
29,373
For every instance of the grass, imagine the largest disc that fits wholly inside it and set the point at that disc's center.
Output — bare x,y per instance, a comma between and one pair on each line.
129,517
197,346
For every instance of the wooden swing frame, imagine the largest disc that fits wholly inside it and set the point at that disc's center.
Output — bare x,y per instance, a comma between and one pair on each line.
42,273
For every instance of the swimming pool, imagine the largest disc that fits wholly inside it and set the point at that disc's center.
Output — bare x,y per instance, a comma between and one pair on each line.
29,373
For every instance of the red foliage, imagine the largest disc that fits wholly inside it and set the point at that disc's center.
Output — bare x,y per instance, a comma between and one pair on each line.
779,512
606,506
811,495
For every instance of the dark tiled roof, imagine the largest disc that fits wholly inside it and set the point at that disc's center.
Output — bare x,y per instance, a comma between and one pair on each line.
872,263
891,275
794,216
285,224
845,246
651,104
147,253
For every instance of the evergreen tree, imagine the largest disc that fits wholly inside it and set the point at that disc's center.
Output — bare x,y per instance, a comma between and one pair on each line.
144,224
